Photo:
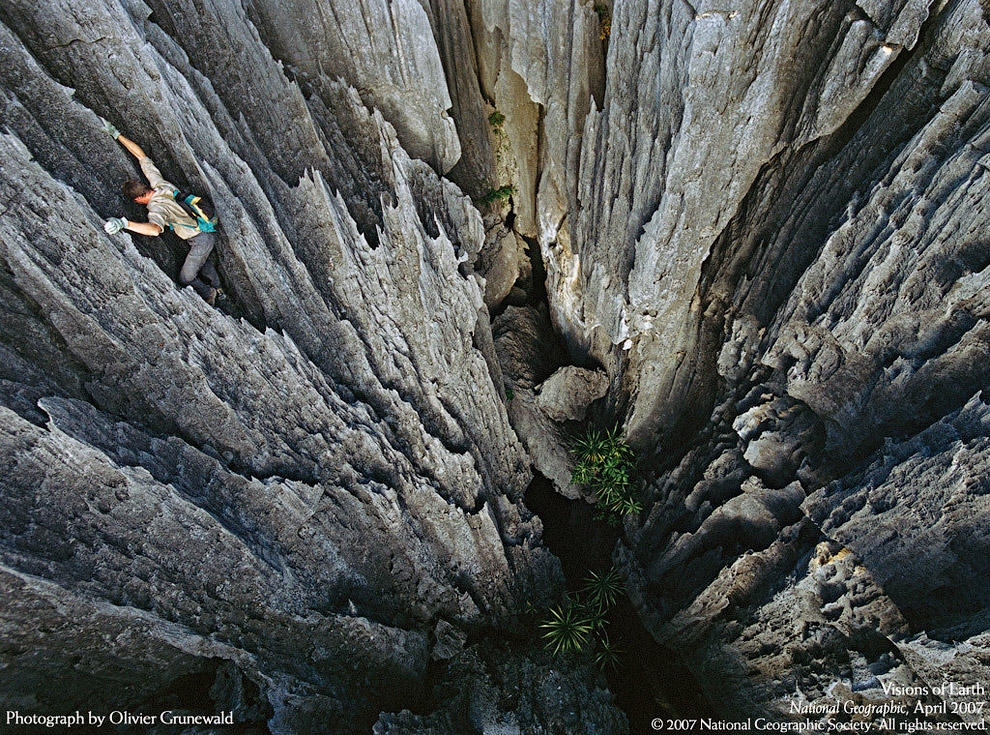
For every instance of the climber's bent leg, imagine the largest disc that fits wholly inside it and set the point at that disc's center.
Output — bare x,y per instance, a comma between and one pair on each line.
200,248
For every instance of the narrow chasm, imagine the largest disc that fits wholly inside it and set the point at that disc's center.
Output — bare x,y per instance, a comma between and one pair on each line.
648,680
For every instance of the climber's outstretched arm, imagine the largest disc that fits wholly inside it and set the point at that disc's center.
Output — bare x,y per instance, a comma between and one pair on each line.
144,228
133,148
115,225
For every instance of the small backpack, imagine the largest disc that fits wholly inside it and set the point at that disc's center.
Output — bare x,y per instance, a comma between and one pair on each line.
199,208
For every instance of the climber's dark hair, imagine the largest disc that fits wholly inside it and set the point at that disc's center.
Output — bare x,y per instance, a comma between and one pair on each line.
134,189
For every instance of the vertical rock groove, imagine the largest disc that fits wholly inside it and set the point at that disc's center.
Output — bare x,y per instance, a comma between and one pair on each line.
759,235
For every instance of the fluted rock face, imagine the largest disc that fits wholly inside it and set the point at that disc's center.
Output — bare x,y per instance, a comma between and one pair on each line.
727,160
800,306
300,493
766,224
383,49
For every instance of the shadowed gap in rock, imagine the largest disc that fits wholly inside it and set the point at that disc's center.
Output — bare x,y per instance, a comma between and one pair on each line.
649,681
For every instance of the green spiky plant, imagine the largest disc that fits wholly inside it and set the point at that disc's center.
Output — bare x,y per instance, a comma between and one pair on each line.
603,588
580,619
590,452
607,654
602,457
606,464
607,517
567,628
629,505
595,614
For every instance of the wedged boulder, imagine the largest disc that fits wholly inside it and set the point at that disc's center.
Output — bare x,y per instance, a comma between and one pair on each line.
502,262
528,353
567,394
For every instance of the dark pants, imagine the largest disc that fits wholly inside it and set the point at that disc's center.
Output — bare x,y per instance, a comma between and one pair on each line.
198,270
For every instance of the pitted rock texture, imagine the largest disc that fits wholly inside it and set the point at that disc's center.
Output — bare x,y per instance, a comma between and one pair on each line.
299,493
766,222
930,553
812,347
504,689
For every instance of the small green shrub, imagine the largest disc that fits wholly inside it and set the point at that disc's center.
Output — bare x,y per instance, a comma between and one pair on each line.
606,464
607,654
496,120
567,628
503,192
509,395
603,589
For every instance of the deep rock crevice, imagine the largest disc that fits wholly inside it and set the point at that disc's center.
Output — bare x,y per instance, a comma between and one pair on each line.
754,238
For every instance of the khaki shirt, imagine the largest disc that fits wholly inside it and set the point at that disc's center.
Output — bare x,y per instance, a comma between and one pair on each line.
162,208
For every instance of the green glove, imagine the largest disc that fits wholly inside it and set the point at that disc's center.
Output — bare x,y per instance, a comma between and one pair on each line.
109,129
113,226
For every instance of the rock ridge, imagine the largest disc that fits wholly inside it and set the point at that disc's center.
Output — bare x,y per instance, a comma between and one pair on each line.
764,224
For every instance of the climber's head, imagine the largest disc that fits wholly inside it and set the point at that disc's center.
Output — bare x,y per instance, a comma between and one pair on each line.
137,191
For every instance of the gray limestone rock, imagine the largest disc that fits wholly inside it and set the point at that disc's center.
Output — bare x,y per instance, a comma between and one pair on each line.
566,395
501,263
927,550
766,222
696,169
496,688
448,641
296,489
528,353
385,50
541,63
789,290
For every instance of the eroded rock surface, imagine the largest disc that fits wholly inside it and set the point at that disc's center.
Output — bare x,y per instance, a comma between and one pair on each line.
300,491
567,394
528,351
501,688
766,222
828,343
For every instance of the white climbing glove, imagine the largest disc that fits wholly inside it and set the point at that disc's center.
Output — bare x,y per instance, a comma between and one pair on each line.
113,226
109,129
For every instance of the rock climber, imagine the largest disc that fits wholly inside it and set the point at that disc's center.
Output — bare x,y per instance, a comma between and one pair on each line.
163,211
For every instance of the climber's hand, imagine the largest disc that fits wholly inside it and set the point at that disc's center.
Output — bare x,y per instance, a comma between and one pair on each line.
109,129
113,226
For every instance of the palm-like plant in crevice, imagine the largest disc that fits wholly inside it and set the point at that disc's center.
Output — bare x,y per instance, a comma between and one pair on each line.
579,621
606,464
607,654
567,628
603,588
